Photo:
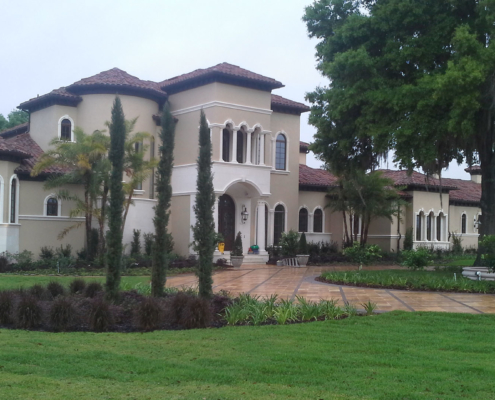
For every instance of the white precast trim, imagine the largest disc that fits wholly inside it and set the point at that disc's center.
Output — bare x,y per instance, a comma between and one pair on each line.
223,104
2,188
274,152
16,199
71,127
59,205
50,218
322,219
281,203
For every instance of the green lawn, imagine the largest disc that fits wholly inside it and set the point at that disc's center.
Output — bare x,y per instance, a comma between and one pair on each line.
442,281
397,355
17,281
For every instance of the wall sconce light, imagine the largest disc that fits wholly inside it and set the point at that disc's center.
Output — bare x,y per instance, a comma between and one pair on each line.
244,214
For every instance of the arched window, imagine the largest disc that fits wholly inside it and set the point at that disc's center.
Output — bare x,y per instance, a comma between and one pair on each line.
318,221
463,223
226,145
303,220
419,226
66,130
281,152
13,201
429,227
439,226
52,207
240,147
278,223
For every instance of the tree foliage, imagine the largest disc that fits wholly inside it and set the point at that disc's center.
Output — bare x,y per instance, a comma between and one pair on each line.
116,157
162,243
204,230
413,76
14,118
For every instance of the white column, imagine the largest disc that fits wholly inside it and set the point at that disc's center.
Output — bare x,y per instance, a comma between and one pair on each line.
248,148
221,145
434,229
234,146
270,227
310,222
261,226
215,212
262,149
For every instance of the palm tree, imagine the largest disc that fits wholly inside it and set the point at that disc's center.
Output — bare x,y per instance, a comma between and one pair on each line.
84,162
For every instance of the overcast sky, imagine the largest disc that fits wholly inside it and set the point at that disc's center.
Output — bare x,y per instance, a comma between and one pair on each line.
48,44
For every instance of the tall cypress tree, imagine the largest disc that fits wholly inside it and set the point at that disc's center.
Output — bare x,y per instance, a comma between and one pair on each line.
204,230
164,195
114,242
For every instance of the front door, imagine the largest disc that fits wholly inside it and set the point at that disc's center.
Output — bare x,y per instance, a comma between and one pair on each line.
226,220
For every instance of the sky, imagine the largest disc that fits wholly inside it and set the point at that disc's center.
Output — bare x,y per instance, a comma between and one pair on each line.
51,43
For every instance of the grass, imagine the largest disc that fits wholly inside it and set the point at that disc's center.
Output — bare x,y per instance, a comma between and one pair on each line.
440,281
396,355
16,281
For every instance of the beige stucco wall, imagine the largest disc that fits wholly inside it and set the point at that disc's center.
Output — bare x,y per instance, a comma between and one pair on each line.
470,238
180,223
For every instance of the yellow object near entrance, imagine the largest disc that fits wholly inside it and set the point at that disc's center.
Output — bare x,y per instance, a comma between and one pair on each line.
221,247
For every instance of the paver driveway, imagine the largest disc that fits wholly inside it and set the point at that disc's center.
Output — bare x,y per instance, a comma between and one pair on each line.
287,282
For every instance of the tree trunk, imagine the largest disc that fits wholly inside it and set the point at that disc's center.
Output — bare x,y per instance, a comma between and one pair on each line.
487,163
346,232
87,216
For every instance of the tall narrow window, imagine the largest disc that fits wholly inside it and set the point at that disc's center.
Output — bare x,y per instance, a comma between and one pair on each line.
278,223
318,221
463,223
152,176
52,207
13,201
429,220
303,220
226,145
439,227
281,152
240,147
66,130
138,147
419,226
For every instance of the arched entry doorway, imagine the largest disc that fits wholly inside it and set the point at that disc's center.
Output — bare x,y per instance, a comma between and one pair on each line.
226,220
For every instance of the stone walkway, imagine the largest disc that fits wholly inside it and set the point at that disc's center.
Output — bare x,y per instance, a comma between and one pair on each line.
287,282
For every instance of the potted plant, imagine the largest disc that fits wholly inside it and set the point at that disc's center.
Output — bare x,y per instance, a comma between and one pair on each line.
302,256
236,256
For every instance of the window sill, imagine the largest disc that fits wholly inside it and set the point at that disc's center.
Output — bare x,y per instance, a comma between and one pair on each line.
140,192
279,172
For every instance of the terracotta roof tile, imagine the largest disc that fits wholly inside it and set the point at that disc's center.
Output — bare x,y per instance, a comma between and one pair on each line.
223,70
402,178
280,103
474,169
21,128
467,191
315,177
56,96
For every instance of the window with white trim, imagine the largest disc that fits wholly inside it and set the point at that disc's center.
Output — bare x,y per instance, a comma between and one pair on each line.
318,221
303,220
281,152
52,207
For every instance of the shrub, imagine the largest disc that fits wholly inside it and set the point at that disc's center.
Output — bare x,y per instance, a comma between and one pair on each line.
29,313
237,250
46,253
77,286
148,314
100,317
94,244
36,291
416,259
289,242
487,245
136,242
196,314
4,263
92,289
62,314
65,252
363,255
23,260
149,238
457,244
303,245
55,289
408,240
6,307
177,306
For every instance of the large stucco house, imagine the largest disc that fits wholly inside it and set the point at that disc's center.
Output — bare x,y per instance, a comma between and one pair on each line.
261,179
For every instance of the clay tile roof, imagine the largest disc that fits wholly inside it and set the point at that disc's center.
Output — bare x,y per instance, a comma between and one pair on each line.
282,104
58,96
117,79
468,191
474,170
21,128
416,179
315,177
223,72
15,146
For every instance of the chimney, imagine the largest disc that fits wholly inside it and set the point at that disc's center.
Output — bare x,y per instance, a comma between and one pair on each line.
303,150
475,172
